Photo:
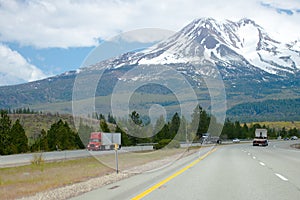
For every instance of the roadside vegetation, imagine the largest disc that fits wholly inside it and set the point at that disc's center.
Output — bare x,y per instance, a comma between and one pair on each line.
17,182
57,132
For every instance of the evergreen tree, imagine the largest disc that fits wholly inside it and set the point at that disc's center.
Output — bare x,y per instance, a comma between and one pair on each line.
101,116
160,122
5,126
18,138
111,119
60,136
174,126
162,134
104,126
41,143
244,132
228,129
135,117
183,134
125,139
200,121
84,132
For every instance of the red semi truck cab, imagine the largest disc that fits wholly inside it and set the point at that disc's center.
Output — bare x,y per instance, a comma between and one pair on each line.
103,141
94,142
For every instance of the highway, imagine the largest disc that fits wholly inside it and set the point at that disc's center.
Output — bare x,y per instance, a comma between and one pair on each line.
227,172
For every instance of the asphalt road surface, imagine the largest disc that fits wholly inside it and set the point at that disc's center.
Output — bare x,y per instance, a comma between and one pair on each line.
228,172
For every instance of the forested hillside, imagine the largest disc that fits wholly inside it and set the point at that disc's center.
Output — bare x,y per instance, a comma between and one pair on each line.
269,110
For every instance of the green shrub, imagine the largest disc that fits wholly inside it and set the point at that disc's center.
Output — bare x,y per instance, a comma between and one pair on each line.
37,159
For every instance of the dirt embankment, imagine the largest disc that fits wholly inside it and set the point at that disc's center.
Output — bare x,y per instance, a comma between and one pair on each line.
297,146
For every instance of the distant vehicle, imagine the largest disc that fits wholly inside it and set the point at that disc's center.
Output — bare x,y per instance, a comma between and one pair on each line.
103,141
207,138
286,138
294,138
235,140
261,137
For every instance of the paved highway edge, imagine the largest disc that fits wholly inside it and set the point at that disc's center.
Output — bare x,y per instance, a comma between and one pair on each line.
154,187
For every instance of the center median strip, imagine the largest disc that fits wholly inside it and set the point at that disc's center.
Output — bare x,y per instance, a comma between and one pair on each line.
154,187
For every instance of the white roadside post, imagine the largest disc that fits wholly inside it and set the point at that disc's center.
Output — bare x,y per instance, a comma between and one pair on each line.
116,156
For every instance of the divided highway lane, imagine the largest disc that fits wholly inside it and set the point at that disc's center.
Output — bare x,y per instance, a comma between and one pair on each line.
238,171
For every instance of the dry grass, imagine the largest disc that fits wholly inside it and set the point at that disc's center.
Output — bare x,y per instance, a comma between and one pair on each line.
28,180
297,146
279,125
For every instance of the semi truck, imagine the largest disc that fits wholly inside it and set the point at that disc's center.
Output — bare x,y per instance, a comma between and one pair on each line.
261,137
104,141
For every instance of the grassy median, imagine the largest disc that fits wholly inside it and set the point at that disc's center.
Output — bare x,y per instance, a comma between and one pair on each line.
27,180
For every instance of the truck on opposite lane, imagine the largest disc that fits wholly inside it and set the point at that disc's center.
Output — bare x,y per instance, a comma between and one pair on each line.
104,141
261,137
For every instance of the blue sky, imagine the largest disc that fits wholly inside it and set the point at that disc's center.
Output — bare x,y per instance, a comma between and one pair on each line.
53,60
45,38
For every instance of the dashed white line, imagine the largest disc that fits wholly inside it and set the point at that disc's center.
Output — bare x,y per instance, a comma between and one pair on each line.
254,157
261,163
249,154
281,177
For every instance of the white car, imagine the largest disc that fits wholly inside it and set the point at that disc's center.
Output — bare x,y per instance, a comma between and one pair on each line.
235,140
294,138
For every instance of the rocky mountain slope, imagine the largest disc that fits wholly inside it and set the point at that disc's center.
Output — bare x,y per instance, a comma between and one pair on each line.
253,66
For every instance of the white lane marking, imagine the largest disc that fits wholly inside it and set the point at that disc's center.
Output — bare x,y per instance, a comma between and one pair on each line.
249,154
281,177
263,164
254,157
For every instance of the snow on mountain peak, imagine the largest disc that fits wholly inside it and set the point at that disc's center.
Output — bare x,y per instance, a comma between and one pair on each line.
227,42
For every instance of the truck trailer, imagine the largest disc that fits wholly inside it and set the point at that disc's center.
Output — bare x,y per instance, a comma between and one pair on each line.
104,141
261,137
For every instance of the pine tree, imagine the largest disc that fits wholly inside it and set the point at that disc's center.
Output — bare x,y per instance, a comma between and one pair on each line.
104,126
111,119
125,139
18,138
60,136
84,132
174,126
5,126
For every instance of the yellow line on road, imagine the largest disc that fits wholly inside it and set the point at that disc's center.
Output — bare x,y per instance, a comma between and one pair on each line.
154,187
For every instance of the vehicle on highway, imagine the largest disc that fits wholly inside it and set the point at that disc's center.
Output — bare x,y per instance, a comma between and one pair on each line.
207,138
286,138
261,137
235,140
294,138
104,141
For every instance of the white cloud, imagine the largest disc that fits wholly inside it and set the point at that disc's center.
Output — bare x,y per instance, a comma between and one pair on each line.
15,69
72,23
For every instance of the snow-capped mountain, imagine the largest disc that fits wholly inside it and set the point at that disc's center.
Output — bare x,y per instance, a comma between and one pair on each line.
253,65
229,44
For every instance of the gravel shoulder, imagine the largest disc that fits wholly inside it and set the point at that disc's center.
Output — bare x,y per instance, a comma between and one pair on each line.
76,189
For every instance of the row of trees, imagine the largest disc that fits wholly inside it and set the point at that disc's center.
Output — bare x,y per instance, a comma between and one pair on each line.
133,131
21,111
59,137
12,136
13,139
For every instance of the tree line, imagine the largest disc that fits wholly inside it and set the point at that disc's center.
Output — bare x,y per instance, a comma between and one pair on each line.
12,136
61,136
180,129
13,139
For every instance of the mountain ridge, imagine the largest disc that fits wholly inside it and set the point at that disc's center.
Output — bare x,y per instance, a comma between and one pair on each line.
253,66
